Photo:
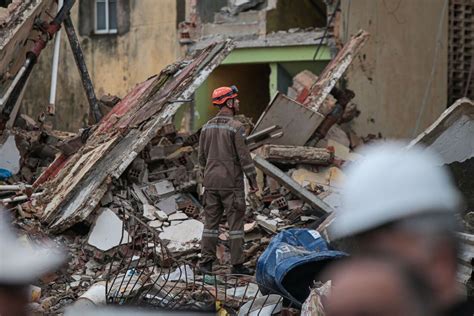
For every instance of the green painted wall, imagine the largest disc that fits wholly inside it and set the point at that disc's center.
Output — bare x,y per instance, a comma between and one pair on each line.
257,55
259,73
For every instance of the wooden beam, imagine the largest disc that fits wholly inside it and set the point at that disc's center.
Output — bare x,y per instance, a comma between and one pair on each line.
282,178
296,154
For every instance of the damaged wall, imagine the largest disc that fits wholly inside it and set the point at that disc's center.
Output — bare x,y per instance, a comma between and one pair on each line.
116,62
304,14
393,70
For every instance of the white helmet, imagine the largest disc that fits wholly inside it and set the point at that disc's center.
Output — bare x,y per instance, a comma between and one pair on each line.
391,183
21,264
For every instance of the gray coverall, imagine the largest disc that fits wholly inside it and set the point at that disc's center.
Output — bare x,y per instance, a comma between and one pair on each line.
225,158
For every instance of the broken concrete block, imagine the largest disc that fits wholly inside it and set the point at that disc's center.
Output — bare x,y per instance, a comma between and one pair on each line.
275,213
270,225
162,216
136,171
149,211
163,187
178,216
138,193
304,80
155,224
295,204
107,231
183,237
248,227
279,203
76,277
168,205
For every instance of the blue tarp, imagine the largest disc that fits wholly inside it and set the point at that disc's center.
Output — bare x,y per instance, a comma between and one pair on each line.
292,261
5,174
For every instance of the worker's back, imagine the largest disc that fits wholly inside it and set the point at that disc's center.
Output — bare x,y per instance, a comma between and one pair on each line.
218,154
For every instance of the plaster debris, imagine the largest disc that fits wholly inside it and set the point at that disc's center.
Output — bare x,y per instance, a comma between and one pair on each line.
183,236
179,216
107,231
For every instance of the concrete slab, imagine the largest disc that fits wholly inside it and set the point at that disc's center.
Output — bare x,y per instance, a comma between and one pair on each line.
107,231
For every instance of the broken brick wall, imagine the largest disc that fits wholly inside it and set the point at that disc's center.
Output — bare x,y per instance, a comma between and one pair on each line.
116,62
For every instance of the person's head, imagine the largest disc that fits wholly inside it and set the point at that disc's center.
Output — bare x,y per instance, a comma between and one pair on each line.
403,203
225,98
375,286
20,266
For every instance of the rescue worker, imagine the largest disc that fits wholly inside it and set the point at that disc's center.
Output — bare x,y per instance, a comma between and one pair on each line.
225,158
403,204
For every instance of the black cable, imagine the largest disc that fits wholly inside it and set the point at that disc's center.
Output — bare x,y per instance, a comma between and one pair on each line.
326,30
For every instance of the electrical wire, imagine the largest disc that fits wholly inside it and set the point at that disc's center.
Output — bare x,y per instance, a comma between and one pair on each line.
326,30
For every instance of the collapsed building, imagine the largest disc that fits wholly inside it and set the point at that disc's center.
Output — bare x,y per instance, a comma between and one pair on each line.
124,194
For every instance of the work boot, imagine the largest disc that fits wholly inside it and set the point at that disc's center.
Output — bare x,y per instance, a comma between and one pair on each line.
241,269
206,267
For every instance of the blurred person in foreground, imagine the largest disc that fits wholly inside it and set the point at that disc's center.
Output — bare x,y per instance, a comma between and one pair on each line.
372,286
403,203
20,265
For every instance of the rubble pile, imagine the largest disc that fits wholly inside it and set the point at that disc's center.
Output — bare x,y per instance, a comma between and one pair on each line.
124,197
134,167
27,150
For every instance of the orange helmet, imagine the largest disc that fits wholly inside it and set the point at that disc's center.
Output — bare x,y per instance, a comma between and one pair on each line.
222,94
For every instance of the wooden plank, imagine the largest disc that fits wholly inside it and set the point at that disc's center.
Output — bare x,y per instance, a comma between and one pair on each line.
296,121
319,206
334,70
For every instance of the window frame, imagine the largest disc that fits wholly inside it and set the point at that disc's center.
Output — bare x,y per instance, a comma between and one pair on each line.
107,29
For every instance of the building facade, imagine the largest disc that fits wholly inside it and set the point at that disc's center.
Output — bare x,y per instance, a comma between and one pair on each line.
124,42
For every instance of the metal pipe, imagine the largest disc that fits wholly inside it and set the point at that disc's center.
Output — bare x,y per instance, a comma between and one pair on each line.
54,71
262,134
81,65
21,198
15,187
15,81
